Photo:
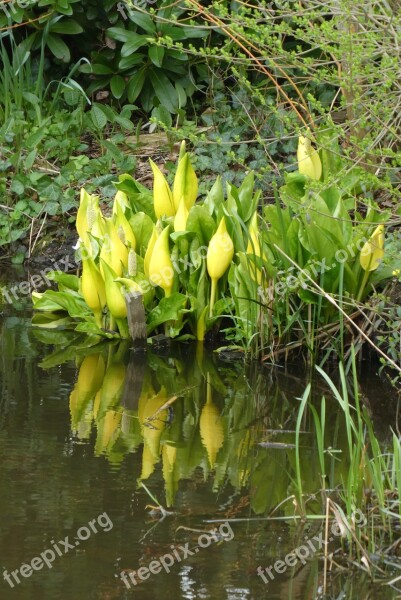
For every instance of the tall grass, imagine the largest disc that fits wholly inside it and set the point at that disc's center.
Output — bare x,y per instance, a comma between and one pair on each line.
358,476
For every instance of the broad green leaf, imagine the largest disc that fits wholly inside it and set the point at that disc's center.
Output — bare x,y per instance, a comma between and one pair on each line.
156,54
164,89
58,47
135,85
200,222
66,27
98,117
142,226
168,309
143,20
117,86
65,280
134,42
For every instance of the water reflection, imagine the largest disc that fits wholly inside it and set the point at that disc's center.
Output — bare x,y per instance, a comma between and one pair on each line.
210,438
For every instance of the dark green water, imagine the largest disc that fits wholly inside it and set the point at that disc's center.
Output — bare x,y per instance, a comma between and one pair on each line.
76,441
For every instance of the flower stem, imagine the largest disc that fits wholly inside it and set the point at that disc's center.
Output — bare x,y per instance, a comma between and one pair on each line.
212,296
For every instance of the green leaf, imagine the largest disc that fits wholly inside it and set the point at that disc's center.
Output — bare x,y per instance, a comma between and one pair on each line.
131,61
156,54
168,309
66,27
142,226
17,187
200,222
98,117
134,42
58,47
164,89
29,160
119,33
117,86
135,85
248,201
35,138
69,301
162,115
215,197
66,280
143,20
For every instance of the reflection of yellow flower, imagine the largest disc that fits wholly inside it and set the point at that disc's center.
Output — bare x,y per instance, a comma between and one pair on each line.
211,428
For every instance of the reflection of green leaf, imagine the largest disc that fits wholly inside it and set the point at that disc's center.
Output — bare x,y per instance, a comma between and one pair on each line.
84,344
52,321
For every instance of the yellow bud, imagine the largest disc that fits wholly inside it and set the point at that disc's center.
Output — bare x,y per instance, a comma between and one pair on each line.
253,242
115,300
373,250
86,216
309,162
180,220
220,252
218,258
160,266
98,228
120,200
162,196
121,222
92,287
185,183
113,251
149,251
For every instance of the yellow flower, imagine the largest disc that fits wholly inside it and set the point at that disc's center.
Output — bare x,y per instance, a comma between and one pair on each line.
185,183
149,251
396,272
253,242
160,266
123,227
120,200
309,162
115,300
162,197
93,289
180,220
113,251
373,250
219,256
87,214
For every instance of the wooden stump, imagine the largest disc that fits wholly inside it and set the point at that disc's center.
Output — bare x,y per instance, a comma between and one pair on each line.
136,319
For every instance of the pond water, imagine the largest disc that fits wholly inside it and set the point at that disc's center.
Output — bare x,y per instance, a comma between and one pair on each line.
115,467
